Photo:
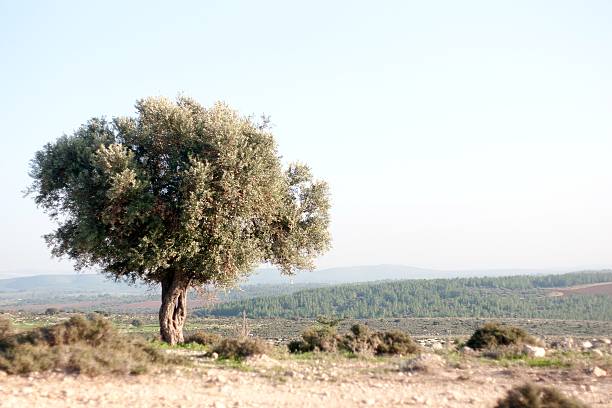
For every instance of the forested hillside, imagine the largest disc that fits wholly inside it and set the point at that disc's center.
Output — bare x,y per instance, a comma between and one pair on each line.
516,296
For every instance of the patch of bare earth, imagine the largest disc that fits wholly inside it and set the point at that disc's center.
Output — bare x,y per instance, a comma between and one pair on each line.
604,288
267,382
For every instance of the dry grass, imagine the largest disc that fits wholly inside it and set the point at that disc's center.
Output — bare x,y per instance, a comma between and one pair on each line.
6,328
80,345
239,349
203,338
533,396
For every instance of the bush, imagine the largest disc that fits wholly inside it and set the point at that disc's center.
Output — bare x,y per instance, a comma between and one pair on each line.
493,335
79,345
396,342
320,338
533,396
6,328
298,346
203,338
136,323
52,311
239,349
360,339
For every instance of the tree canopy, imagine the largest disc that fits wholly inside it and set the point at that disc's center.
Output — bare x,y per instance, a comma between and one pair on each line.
179,194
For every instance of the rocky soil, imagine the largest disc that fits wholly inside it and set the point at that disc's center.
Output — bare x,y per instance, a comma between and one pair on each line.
315,381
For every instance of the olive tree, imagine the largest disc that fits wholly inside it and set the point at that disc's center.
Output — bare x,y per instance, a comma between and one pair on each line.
179,195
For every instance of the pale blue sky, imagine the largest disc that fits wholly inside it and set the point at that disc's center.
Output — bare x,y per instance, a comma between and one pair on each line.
473,134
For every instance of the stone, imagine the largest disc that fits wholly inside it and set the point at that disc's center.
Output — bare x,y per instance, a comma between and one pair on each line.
425,363
533,351
598,372
566,343
586,345
597,352
436,346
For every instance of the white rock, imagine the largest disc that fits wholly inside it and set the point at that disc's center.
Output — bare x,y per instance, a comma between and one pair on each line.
467,350
598,353
424,362
586,344
533,351
436,346
598,372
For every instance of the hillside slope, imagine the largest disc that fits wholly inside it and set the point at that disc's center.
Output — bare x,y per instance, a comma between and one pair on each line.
518,296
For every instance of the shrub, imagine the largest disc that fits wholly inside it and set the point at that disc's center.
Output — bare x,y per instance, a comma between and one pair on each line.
395,342
533,396
203,338
320,338
240,348
298,346
6,328
87,346
93,331
50,311
360,339
136,323
492,335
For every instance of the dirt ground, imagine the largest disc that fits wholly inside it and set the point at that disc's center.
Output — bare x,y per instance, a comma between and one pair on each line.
266,382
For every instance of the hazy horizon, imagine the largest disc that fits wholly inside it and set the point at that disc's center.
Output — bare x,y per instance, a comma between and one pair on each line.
270,272
454,136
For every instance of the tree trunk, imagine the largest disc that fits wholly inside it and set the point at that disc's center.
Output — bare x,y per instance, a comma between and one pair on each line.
173,311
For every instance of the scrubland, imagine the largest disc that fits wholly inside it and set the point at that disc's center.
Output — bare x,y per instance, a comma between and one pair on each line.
67,360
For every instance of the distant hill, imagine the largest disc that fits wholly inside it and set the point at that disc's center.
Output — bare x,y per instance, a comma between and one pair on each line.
79,283
265,288
75,283
370,273
526,296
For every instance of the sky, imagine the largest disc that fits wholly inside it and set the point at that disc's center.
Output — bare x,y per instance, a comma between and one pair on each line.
454,135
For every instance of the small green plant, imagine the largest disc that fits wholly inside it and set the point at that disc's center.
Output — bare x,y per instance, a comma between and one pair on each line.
239,349
533,396
493,335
